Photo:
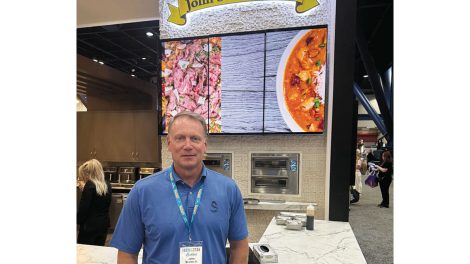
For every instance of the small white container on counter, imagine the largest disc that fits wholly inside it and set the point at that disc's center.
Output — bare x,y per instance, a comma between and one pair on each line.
281,220
294,224
265,253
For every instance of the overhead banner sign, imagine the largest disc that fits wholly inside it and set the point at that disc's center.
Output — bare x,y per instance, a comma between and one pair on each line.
178,13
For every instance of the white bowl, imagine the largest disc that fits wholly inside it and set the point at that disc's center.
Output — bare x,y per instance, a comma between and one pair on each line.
294,127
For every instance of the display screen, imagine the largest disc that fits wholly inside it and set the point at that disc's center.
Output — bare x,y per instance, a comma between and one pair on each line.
263,82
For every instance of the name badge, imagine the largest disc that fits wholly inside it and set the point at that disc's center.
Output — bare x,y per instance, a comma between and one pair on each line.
191,252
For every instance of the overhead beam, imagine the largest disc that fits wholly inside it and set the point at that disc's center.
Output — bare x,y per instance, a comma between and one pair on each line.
388,89
370,110
374,80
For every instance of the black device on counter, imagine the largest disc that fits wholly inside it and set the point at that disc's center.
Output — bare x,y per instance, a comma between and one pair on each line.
111,175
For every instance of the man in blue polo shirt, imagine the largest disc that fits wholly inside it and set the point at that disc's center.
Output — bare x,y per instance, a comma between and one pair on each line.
186,213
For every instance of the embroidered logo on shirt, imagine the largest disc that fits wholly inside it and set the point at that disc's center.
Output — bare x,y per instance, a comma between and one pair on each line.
214,206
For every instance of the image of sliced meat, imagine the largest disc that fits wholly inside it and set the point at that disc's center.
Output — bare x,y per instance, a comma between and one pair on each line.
171,103
189,104
185,71
215,59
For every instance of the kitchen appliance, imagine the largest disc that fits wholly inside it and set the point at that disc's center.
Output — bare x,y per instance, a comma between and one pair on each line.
265,253
127,175
219,162
115,209
111,175
117,202
276,173
144,172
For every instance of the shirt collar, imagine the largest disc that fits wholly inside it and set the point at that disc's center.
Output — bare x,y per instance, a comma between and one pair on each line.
178,178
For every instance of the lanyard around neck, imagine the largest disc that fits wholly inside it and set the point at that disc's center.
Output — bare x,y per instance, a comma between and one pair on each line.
180,204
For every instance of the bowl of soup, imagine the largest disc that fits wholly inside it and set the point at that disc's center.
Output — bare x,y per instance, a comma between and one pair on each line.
300,81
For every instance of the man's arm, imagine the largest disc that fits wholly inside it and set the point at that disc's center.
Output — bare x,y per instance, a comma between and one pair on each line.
126,258
239,251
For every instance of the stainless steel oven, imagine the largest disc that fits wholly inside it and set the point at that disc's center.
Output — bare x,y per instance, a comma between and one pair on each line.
276,173
220,162
115,209
111,174
127,176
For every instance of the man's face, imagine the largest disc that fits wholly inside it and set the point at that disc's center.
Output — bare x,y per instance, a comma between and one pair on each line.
187,143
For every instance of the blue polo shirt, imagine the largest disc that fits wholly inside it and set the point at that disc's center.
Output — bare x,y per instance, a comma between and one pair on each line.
150,217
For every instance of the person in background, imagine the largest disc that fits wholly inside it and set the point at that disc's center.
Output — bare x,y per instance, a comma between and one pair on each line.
379,144
370,156
360,146
357,188
186,208
385,177
93,211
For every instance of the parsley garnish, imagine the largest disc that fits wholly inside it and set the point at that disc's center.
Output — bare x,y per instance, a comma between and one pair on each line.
316,103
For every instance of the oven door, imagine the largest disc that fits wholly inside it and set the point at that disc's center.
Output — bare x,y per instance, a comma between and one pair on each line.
264,184
270,167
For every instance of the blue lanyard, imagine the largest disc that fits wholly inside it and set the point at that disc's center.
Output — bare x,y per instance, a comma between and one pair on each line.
180,204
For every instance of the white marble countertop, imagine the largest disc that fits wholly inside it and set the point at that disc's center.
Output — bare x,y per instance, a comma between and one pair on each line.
329,242
87,254
285,206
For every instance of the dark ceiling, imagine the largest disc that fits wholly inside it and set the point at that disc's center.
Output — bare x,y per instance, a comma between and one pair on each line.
375,18
123,46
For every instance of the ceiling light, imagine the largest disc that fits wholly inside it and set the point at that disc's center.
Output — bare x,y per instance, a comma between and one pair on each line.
149,34
143,58
132,75
95,60
100,62
365,76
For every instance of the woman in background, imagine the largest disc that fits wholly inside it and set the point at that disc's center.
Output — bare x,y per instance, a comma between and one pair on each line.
385,177
370,156
357,188
93,211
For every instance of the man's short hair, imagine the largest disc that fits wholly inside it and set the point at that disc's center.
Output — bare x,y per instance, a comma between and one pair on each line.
190,115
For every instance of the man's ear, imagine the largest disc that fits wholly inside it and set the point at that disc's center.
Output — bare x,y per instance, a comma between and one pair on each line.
168,142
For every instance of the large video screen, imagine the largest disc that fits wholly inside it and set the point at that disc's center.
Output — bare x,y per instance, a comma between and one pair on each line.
263,82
